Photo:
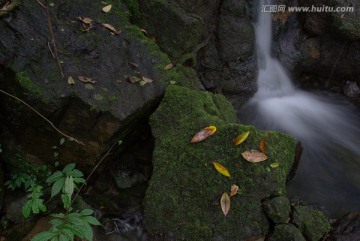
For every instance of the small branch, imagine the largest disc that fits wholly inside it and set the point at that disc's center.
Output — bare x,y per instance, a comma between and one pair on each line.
53,42
52,125
92,172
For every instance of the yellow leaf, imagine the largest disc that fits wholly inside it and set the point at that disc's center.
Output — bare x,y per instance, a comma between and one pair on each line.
71,81
221,169
168,66
107,8
203,134
254,156
241,138
234,190
225,203
274,165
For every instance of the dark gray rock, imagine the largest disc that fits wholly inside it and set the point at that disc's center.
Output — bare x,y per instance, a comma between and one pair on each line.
346,228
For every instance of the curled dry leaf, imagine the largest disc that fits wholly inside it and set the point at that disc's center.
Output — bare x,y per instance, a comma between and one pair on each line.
221,169
203,134
274,165
144,31
234,190
71,81
225,203
107,8
254,156
241,138
111,28
256,238
168,66
86,80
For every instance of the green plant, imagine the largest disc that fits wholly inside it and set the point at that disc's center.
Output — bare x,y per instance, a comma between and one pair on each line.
66,226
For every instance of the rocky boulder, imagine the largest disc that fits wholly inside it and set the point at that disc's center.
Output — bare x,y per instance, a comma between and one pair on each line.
90,86
182,201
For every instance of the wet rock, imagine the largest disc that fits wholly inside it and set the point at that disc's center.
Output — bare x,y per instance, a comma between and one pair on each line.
182,198
352,89
277,209
312,223
286,232
13,208
346,23
346,228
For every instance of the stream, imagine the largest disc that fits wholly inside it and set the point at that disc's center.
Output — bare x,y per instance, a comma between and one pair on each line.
326,124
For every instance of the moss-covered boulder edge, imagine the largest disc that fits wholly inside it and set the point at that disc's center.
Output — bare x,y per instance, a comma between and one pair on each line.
182,200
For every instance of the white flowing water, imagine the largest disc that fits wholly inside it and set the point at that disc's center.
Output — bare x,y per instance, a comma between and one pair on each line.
327,126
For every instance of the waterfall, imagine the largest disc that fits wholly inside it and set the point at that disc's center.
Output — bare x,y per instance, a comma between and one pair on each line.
326,124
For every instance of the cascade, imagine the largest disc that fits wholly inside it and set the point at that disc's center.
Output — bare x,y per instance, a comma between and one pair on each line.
325,123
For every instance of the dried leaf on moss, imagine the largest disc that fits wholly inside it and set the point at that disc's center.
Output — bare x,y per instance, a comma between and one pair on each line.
254,156
203,134
225,203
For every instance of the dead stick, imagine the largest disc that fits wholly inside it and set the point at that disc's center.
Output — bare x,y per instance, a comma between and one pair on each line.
52,36
92,172
53,126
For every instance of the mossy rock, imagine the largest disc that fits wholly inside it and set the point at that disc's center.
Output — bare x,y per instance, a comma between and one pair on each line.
277,209
312,223
286,232
347,23
181,202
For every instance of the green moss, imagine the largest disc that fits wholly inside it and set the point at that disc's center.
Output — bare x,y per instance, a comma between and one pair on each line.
185,183
25,81
312,223
286,232
134,9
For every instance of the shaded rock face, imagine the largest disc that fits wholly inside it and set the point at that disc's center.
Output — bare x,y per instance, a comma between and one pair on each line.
182,201
95,113
219,35
321,49
346,228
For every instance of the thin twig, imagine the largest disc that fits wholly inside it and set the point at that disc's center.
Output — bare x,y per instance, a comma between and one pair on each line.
92,172
53,126
52,36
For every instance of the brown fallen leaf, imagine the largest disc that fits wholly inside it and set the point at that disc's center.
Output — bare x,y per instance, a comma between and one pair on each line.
221,169
107,8
225,203
111,28
71,81
85,20
256,238
147,80
168,66
234,190
86,79
254,156
203,134
262,145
